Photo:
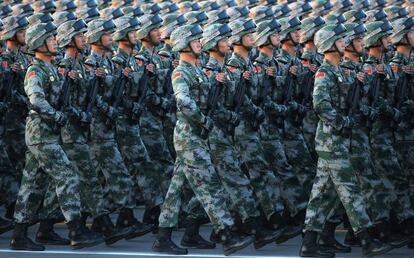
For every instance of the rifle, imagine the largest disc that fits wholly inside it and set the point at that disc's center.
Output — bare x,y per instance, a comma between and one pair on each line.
267,83
288,90
212,102
306,92
118,92
11,77
374,96
65,97
352,100
168,85
238,100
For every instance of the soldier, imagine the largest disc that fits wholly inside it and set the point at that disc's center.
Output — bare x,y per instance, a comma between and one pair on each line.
43,85
382,89
131,106
335,176
267,40
157,105
402,68
105,151
292,72
193,161
223,153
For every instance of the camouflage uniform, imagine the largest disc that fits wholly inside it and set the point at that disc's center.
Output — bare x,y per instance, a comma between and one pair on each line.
193,160
335,176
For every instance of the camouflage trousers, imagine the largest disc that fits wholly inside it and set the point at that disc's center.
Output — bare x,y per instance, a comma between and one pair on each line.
168,125
389,167
298,155
310,123
262,179
376,191
291,188
108,162
45,161
334,179
405,150
152,134
9,180
16,149
226,162
140,166
195,166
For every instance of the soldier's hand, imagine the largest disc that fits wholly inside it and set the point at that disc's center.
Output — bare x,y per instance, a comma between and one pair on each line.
220,77
408,69
73,74
313,67
126,71
246,75
175,63
380,69
100,72
292,106
271,71
361,76
150,68
16,67
73,113
373,114
60,118
293,69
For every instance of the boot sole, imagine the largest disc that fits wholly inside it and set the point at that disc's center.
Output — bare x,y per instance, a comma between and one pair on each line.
45,242
400,244
166,252
284,238
258,244
195,246
113,239
379,253
237,248
138,234
315,255
83,245
26,249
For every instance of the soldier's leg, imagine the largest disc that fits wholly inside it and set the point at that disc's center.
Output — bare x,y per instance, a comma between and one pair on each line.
16,149
168,125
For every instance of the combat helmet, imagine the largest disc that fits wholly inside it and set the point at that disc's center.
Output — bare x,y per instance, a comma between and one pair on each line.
261,13
239,28
300,8
36,35
97,28
65,5
401,28
213,34
309,27
264,30
67,30
341,6
196,17
12,25
281,11
181,38
44,6
209,6
288,25
40,18
111,13
148,23
376,15
395,12
61,17
151,8
321,7
353,31
124,25
5,10
335,19
358,16
326,37
364,5
170,22
23,9
133,11
227,3
188,6
168,8
218,16
378,4
375,31
237,12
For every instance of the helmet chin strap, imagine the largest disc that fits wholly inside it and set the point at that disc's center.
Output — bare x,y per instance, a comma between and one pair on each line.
217,49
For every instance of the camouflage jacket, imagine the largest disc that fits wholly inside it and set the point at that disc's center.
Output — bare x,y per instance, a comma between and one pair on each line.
74,131
329,102
43,86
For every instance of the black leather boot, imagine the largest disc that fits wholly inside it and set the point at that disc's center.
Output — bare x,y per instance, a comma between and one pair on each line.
80,237
151,217
20,241
327,240
214,237
351,239
263,236
192,238
126,219
310,248
5,225
47,236
372,247
233,242
288,230
164,244
104,225
383,232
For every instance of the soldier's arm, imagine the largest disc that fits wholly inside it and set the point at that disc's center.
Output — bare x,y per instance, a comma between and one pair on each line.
34,90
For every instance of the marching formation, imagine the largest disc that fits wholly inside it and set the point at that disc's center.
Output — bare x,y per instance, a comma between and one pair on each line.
267,119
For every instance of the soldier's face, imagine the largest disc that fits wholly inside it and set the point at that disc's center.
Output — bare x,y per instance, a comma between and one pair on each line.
223,45
196,46
155,35
107,40
359,45
410,37
386,41
133,37
340,45
51,44
275,39
80,40
295,35
21,37
248,40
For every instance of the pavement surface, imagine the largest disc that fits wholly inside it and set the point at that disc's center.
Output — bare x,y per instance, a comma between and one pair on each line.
141,247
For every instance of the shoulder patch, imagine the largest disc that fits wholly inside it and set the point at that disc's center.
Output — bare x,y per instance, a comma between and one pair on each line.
139,62
61,70
305,62
31,74
208,73
368,70
232,68
320,75
177,75
87,66
348,72
394,68
5,64
258,69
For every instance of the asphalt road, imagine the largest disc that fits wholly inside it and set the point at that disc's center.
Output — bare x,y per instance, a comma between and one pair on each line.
141,247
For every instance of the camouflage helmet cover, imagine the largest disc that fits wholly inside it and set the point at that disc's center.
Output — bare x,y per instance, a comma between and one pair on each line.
401,27
288,25
12,25
170,22
264,30
148,23
67,30
124,25
182,36
213,34
241,27
354,30
375,31
326,37
309,27
37,34
97,28
61,17
358,16
40,18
